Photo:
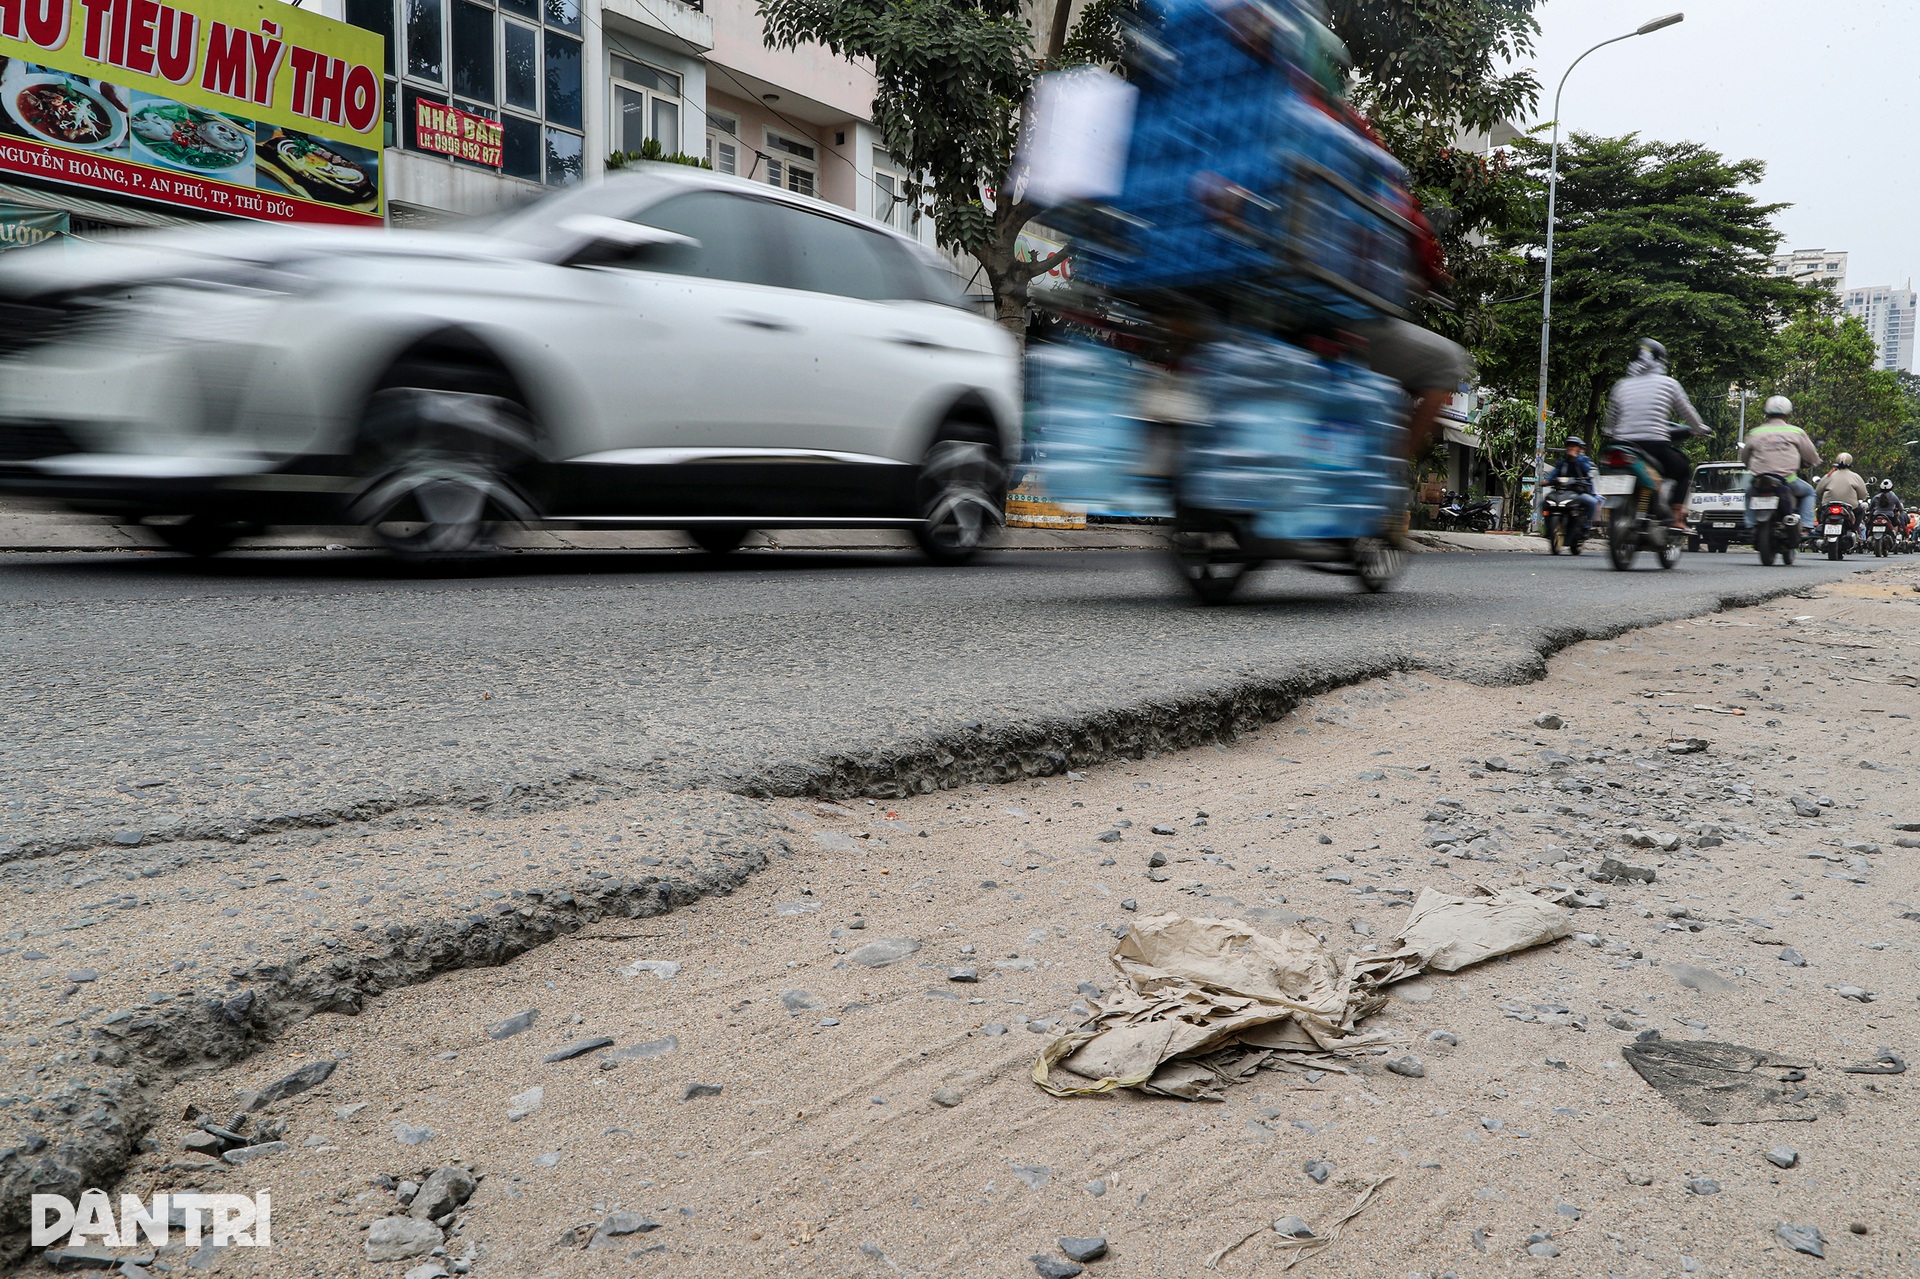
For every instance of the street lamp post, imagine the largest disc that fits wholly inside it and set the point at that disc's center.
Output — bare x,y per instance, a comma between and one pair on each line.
1546,299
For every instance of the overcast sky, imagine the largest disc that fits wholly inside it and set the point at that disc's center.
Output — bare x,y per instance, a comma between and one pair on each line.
1827,92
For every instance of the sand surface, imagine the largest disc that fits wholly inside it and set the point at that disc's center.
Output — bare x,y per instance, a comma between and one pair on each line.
825,1153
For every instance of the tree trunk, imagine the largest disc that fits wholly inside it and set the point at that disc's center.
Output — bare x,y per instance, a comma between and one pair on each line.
1007,275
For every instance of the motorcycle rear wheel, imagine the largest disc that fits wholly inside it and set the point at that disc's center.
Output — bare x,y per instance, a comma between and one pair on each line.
1623,539
1763,542
1787,549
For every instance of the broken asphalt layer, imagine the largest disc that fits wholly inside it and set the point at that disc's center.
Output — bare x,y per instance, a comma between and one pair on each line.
269,706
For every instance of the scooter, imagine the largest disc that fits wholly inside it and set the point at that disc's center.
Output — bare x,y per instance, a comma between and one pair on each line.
1476,516
1880,536
1563,517
1637,512
1835,519
1776,531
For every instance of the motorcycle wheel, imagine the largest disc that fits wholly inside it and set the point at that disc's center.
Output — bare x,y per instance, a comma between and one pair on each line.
1623,539
1833,548
1763,542
1556,536
1480,525
1787,549
1209,558
1668,554
1377,563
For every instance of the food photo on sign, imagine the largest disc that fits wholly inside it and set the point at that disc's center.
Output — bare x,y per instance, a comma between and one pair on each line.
191,139
43,104
317,169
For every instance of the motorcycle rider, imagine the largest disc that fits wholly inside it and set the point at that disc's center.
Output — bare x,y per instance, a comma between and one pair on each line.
1887,502
1842,484
1576,468
1641,408
1778,447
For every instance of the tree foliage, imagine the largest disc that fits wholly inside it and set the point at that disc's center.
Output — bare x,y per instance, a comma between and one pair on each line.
1655,239
1842,398
1440,60
1506,428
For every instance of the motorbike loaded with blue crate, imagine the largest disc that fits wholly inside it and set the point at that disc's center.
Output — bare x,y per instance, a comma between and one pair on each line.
1214,377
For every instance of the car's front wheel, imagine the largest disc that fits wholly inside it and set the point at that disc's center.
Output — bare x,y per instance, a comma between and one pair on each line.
437,470
962,496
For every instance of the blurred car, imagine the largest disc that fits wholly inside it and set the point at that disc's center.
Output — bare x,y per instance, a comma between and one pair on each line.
669,348
1717,511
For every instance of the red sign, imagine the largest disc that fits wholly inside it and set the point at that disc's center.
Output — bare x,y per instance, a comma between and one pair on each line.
451,131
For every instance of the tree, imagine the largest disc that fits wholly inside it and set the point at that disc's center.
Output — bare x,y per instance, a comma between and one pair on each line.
1655,239
1505,428
1841,397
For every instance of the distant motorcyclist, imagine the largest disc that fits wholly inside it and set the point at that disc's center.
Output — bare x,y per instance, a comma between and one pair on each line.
1575,469
1842,484
1778,447
1887,502
1641,410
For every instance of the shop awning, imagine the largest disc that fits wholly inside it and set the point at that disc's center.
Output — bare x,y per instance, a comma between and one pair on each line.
94,210
1463,438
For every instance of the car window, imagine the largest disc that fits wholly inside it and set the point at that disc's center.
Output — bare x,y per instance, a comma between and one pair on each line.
730,229
827,255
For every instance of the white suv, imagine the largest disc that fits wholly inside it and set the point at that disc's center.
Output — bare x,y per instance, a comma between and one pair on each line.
667,349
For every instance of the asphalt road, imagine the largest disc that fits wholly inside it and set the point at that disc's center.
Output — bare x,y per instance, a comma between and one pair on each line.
159,697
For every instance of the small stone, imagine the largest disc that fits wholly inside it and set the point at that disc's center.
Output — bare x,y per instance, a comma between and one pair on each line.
1806,1239
1409,1066
856,923
1054,1268
397,1238
311,1075
548,1159
993,1028
348,1112
884,951
448,1188
1129,904
1854,993
1091,1248
1292,1228
427,1270
1108,837
1159,829
693,1090
408,1135
619,1225
128,838
1325,839
947,1097
1805,807
1788,955
1637,1178
577,1048
1702,1186
1317,1170
1549,721
511,1026
963,974
797,1001
1156,860
1858,1228
83,975
406,1191
248,1154
1545,1248
1446,1037
1783,1157
1097,1188
522,1104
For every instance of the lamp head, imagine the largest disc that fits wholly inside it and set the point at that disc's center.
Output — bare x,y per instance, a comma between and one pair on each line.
1659,23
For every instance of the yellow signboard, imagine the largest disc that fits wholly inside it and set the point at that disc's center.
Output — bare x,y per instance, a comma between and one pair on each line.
247,107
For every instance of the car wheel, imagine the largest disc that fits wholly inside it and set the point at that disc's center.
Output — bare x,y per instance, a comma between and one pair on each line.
719,539
438,470
962,498
201,535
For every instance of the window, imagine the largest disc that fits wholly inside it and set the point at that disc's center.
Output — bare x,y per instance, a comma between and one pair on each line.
831,256
646,104
890,205
490,58
723,142
736,234
790,163
425,56
473,51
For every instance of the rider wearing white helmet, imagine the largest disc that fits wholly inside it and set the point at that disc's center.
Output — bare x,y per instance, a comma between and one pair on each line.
1778,447
1842,483
1888,501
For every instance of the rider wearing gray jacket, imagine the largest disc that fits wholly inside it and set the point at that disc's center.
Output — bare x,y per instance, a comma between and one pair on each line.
1641,410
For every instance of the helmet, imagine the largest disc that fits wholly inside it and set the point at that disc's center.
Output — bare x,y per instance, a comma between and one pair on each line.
1574,441
1650,347
1779,406
1886,486
1845,459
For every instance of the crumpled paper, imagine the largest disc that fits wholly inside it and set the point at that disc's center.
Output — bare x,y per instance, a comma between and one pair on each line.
1210,1001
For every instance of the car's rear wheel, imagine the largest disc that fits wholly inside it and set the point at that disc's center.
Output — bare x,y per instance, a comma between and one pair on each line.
962,495
720,539
438,465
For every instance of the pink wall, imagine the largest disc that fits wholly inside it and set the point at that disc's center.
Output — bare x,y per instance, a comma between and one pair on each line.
808,71
835,177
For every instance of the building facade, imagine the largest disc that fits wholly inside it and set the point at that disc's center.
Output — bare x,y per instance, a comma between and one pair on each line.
1890,315
1826,267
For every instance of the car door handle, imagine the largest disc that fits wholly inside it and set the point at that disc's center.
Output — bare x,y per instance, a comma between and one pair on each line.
771,324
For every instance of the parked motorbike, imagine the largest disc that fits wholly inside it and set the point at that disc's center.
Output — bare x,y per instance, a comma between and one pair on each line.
1635,494
1836,529
1563,517
1457,512
1776,524
1880,535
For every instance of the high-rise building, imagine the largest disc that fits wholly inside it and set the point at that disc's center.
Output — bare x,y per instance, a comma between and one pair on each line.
1890,315
1814,266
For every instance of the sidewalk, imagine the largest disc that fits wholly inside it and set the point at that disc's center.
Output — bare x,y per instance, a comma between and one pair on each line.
25,529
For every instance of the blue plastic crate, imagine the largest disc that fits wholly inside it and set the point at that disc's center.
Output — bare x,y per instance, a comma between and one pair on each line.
1083,436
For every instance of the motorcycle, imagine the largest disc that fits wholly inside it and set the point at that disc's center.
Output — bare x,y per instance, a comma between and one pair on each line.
1457,512
1637,512
1776,523
1880,535
1836,519
1563,517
